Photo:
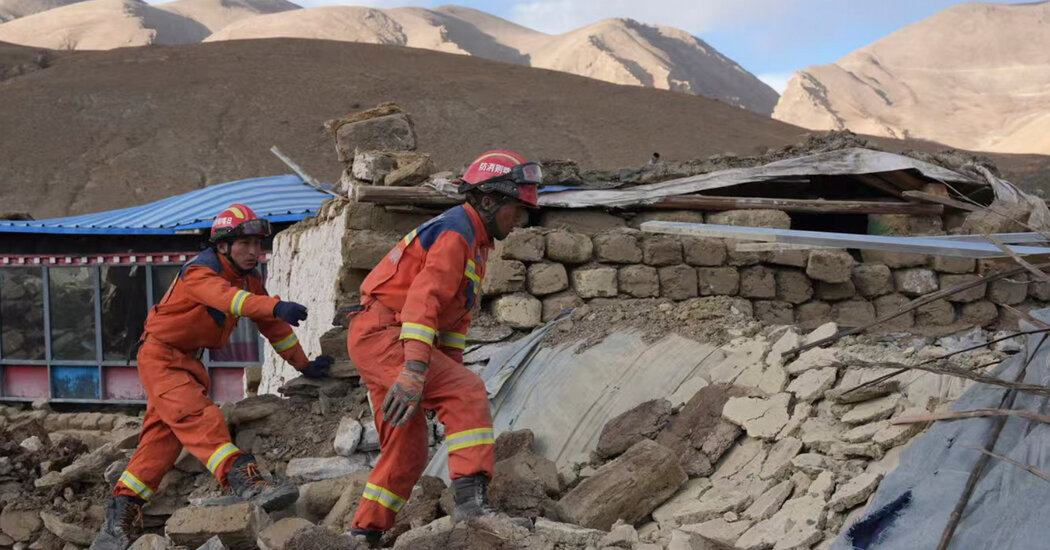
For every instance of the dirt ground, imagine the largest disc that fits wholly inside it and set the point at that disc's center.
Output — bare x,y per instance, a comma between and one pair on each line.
711,319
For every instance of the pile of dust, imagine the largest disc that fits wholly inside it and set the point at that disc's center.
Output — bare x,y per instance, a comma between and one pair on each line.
714,319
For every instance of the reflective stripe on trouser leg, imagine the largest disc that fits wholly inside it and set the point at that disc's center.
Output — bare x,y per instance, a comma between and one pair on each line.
384,497
470,438
219,456
131,482
156,454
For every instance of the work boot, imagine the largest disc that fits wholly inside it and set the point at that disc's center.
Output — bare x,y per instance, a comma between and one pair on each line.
472,498
248,482
369,536
123,521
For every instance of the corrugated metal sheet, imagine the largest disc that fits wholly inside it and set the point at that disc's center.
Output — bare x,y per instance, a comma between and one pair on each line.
277,198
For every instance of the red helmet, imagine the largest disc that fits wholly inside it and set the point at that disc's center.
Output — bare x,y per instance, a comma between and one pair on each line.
506,173
238,221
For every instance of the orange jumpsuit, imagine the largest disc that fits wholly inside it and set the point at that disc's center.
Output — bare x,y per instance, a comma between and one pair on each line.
200,310
417,307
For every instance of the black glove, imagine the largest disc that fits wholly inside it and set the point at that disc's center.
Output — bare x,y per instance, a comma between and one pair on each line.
290,312
318,368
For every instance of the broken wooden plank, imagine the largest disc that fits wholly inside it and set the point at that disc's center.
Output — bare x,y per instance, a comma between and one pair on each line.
917,245
873,180
413,196
1021,261
1030,469
974,413
904,179
809,206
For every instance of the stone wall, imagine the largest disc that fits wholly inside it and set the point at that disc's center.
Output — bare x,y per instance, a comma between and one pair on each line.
540,271
573,256
305,267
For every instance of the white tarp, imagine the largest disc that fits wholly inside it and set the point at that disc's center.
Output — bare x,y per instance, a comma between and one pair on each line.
566,399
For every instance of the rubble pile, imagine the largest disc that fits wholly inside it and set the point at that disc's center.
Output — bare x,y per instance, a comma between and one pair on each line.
758,452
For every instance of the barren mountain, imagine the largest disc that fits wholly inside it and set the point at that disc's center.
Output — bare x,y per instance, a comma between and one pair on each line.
974,76
102,130
13,9
622,51
102,25
216,14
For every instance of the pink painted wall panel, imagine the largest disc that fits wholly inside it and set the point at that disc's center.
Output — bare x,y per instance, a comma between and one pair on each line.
28,381
227,384
122,383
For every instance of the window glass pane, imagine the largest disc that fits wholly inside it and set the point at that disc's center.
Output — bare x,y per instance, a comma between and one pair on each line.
163,275
22,312
72,313
123,309
243,346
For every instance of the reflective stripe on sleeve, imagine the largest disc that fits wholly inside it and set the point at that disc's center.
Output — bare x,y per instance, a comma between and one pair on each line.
408,238
452,340
470,438
237,303
220,455
133,483
472,271
416,331
286,343
384,497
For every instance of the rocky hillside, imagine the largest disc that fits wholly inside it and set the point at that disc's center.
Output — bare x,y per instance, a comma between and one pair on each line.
103,130
622,51
974,76
216,14
102,25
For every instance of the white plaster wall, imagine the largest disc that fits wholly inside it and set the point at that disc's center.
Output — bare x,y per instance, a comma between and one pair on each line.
304,268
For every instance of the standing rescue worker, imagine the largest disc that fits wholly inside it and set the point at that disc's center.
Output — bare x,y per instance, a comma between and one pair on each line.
201,310
408,341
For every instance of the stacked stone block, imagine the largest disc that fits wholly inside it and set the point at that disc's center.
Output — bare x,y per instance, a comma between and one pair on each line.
576,256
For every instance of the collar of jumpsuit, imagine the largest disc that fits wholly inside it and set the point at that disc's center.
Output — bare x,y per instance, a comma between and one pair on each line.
480,232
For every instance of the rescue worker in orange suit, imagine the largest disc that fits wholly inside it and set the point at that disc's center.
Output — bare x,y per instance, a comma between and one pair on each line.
200,310
408,342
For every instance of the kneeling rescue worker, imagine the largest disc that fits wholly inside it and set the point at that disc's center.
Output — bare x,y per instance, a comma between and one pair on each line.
200,310
408,340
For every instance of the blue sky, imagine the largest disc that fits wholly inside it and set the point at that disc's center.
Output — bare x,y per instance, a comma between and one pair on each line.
770,38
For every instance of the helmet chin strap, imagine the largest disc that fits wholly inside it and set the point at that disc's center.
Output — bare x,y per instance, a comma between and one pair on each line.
229,257
488,217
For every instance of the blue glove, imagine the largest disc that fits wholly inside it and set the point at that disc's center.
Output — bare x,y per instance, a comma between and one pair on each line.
290,312
318,368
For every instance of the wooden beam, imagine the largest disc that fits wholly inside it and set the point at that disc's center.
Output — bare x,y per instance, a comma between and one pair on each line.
813,206
414,196
880,184
425,196
903,179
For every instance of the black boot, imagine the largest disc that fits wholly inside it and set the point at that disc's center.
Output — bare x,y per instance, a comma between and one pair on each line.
123,520
372,537
248,482
472,498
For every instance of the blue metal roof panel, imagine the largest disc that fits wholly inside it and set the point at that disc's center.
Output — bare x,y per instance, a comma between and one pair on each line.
277,198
